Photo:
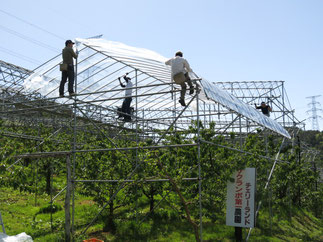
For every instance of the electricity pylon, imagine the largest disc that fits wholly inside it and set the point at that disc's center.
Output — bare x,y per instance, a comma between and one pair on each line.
314,110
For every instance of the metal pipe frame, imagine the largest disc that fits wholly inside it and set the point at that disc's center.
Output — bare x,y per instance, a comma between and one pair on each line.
152,115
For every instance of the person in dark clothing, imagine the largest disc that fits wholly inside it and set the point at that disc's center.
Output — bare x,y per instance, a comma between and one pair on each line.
265,109
128,98
68,54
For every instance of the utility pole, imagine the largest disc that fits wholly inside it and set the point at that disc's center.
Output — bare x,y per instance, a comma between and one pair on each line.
314,110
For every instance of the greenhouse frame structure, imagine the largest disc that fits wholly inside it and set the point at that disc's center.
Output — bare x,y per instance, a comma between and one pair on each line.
156,110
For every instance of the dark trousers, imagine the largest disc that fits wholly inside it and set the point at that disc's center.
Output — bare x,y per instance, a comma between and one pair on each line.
126,108
182,79
70,75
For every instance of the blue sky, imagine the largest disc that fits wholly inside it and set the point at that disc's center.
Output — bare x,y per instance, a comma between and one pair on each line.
224,40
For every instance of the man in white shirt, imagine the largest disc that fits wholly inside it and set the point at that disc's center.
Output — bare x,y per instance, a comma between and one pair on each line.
180,69
128,97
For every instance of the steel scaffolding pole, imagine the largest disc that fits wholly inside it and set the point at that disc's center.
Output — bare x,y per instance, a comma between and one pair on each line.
199,161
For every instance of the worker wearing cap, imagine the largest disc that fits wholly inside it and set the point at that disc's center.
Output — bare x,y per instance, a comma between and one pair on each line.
68,54
180,69
126,110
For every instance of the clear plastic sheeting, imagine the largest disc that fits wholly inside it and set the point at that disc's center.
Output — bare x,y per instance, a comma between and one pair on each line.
155,96
124,52
22,237
233,103
99,65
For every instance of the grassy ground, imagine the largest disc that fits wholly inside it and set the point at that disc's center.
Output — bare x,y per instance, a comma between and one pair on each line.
21,214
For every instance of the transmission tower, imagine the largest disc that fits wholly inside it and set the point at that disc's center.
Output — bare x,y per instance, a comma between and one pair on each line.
314,110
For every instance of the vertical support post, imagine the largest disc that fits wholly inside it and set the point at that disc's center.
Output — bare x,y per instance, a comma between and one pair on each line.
269,100
289,203
68,200
3,97
136,73
199,160
36,179
174,112
269,187
283,97
73,152
210,113
204,115
137,124
315,171
299,164
266,142
240,131
270,209
172,85
238,233
51,195
36,172
231,111
247,120
143,123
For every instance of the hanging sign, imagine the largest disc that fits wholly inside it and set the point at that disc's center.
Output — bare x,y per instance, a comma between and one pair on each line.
241,199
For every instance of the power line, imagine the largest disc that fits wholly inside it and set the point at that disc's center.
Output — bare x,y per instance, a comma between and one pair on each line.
23,57
313,105
33,25
28,39
68,17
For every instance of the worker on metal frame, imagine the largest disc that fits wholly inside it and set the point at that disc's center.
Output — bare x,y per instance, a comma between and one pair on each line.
180,68
125,109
